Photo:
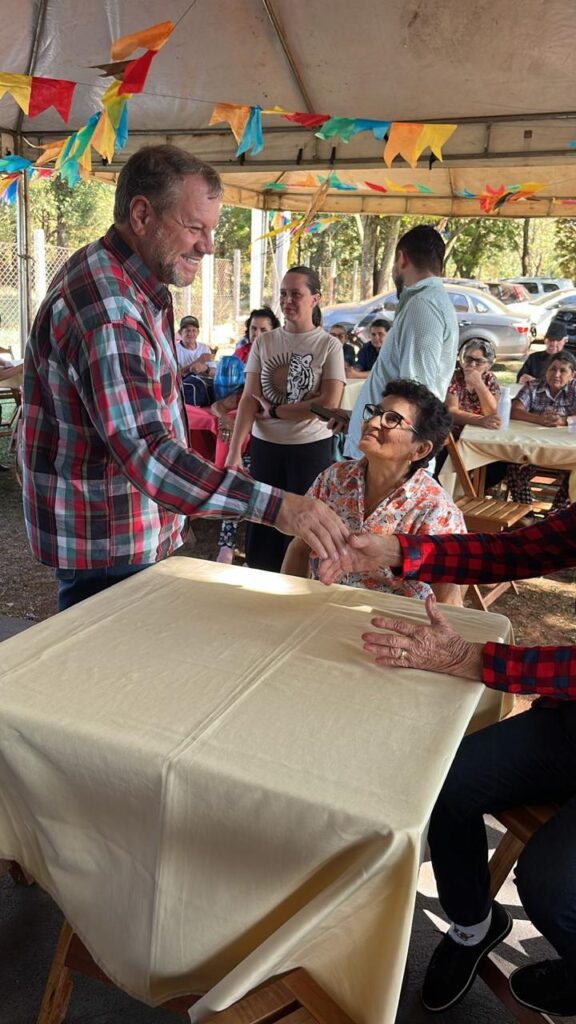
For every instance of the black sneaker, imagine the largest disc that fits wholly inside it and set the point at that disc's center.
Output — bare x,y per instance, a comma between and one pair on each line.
548,986
453,967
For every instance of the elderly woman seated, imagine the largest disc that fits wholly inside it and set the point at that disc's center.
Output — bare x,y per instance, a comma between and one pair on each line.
547,402
473,392
389,490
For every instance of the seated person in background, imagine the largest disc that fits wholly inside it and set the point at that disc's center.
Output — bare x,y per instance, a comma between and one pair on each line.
546,402
368,354
473,392
389,490
193,356
259,321
535,365
339,331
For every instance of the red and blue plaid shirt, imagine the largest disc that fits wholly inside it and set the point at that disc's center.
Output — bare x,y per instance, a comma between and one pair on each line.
108,475
545,547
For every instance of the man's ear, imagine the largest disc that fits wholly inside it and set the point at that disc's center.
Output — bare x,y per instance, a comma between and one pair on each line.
140,214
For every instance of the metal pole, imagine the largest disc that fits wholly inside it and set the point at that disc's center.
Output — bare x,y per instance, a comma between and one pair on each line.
22,236
207,299
257,252
236,284
39,265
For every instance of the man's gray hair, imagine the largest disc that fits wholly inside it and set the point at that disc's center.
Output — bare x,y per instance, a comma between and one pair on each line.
157,173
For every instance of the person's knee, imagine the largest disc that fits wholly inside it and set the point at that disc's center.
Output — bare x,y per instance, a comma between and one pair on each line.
546,883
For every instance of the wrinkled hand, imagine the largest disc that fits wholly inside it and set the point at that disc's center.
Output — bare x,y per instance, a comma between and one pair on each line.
314,522
265,406
434,648
472,377
364,552
552,419
490,422
526,378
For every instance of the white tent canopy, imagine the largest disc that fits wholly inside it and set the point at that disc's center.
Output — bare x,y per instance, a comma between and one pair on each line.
503,75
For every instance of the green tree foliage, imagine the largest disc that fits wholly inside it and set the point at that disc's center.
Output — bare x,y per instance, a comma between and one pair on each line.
566,246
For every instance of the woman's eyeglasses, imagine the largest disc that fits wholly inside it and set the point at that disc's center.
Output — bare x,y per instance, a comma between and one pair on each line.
387,417
471,361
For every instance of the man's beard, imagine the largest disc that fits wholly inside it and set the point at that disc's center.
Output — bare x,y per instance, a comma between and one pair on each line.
167,271
399,282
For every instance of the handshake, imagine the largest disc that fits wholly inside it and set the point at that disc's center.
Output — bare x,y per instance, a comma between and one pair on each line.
338,550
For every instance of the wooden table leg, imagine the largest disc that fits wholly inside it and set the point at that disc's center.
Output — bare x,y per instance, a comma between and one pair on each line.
59,985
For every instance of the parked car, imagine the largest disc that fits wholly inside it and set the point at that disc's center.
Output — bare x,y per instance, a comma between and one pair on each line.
508,293
542,310
467,282
566,318
479,315
542,285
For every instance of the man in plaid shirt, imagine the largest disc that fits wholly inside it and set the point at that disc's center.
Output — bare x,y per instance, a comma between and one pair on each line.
529,758
108,477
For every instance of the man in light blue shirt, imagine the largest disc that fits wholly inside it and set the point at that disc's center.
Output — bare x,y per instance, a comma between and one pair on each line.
422,343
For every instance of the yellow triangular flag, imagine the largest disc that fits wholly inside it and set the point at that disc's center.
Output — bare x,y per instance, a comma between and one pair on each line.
19,87
104,138
435,136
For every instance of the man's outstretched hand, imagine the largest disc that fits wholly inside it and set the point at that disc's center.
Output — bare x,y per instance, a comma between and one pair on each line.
364,552
315,523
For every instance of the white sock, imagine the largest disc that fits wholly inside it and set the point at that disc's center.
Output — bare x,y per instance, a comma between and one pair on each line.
470,934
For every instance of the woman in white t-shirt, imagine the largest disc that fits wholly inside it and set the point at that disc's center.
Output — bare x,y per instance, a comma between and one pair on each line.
288,370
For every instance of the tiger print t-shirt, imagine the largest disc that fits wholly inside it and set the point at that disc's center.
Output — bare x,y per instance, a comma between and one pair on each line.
291,368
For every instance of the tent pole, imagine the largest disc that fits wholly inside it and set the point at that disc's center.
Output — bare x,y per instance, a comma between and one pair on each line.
23,249
257,250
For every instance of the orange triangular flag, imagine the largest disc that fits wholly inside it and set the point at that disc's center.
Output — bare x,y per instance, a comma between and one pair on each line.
403,140
237,118
148,39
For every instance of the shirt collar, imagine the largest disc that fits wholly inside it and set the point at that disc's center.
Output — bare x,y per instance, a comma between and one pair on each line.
136,269
420,286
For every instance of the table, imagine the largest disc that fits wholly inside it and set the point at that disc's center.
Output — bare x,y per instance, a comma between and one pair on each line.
551,447
216,784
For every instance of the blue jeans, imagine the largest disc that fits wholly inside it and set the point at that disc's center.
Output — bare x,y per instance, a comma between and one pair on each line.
77,584
527,759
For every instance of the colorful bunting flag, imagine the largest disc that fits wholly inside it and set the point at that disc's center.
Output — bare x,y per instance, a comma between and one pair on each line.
11,164
136,73
19,87
410,140
51,92
307,120
346,127
152,38
252,135
236,116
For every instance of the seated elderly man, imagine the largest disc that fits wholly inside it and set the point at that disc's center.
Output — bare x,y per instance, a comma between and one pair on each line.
535,366
389,489
548,402
529,758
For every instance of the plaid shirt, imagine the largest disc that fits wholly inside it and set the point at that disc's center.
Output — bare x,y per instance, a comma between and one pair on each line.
545,547
108,476
535,397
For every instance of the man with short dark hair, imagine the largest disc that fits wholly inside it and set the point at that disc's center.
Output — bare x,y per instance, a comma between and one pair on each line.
108,477
423,340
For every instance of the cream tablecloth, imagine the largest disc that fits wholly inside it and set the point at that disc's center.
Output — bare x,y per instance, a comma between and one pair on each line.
216,784
552,447
351,393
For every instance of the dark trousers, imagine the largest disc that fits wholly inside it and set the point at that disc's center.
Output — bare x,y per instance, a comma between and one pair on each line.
527,759
76,585
293,467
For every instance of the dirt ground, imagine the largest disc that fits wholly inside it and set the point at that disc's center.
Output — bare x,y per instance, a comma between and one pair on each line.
543,611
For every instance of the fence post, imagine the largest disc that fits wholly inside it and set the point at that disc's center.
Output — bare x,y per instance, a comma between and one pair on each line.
39,265
236,285
257,251
22,238
207,299
187,299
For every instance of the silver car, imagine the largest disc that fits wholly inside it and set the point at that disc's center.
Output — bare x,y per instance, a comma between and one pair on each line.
479,315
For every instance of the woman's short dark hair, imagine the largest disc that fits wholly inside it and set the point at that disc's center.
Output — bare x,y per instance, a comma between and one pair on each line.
424,247
433,422
264,312
157,172
562,357
380,323
313,285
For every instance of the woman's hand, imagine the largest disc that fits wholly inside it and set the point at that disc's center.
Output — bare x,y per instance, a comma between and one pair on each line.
234,460
364,552
526,378
473,378
491,422
553,419
435,648
265,407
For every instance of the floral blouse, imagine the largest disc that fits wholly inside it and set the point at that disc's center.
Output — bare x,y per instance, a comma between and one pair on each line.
419,505
468,401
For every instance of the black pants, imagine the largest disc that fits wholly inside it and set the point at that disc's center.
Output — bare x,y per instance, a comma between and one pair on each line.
527,759
76,585
292,467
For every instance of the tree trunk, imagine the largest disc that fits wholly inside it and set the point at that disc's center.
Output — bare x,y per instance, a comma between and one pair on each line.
370,223
526,250
389,231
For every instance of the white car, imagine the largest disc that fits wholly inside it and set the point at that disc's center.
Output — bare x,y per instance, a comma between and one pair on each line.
542,310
